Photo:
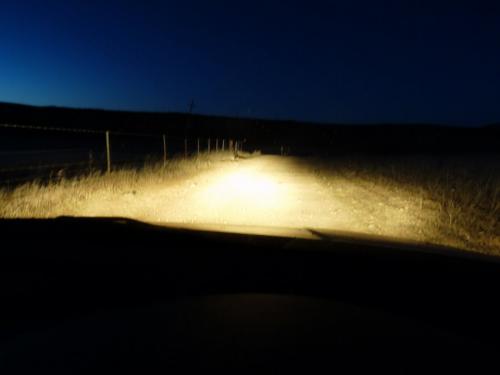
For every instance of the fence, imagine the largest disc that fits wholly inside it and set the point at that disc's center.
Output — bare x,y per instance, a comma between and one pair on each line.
28,152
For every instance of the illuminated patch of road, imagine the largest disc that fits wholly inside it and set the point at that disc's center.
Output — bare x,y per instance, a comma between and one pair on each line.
275,192
243,196
283,193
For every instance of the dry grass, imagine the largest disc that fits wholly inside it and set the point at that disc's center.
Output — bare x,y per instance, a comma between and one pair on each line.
463,190
458,198
67,196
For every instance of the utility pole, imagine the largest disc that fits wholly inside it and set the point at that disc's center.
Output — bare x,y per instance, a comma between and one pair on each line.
188,125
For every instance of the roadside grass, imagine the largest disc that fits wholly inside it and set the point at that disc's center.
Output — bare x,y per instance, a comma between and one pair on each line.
464,190
456,199
38,199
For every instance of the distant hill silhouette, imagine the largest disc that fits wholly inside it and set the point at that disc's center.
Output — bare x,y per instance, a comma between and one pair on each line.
268,135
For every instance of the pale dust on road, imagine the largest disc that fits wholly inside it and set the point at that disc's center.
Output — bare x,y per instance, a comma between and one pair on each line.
273,191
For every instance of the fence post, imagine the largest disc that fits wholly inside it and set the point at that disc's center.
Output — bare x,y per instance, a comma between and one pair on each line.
209,145
198,144
185,147
164,151
108,151
223,144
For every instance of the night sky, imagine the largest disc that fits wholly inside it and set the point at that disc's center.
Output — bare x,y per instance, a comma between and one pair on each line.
330,61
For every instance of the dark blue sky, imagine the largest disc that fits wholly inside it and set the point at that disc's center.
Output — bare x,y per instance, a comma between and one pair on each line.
336,61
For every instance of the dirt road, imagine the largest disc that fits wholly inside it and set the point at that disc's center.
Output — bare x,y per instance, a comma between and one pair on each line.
275,191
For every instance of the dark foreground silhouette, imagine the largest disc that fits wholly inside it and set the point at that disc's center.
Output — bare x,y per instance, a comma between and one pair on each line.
85,294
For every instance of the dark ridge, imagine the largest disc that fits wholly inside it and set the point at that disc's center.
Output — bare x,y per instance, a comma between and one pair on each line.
301,138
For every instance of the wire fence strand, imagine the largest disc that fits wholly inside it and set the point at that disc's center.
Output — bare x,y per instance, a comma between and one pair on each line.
89,131
28,164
